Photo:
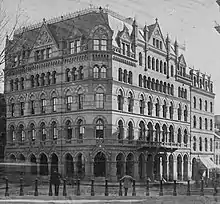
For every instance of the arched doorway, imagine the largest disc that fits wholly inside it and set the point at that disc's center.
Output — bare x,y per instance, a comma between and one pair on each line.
12,158
130,164
100,165
69,167
33,161
194,169
141,165
179,168
185,168
149,166
43,164
120,160
80,166
54,163
171,167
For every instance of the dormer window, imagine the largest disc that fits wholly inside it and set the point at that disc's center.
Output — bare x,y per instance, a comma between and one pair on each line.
100,44
49,52
75,47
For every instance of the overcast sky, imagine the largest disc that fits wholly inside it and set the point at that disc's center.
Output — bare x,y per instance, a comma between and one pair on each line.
190,21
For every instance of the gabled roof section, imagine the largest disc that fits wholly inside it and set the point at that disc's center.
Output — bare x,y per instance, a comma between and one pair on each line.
181,60
124,34
44,37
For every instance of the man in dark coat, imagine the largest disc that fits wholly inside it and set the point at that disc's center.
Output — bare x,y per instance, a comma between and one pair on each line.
55,180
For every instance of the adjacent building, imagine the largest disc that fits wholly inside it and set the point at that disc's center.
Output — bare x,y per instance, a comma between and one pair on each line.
96,94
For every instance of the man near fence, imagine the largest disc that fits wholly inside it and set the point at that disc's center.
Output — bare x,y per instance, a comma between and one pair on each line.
55,180
127,182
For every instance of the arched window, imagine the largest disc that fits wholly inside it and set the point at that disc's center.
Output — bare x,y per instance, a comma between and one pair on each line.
179,112
206,144
206,106
206,124
157,85
164,87
48,78
200,104
130,131
211,107
164,109
194,102
150,106
74,74
179,92
172,71
99,129
142,105
149,83
12,83
32,82
120,101
194,81
171,110
22,83
200,123
168,88
153,63
145,81
161,66
68,75
125,76
185,114
80,73
80,99
157,107
33,132
200,144
37,80
141,130
211,144
179,136
130,77
171,134
99,98
54,103
120,131
157,65
194,143
153,84
149,62
185,94
120,74
172,89
140,59
157,133
194,121
12,134
130,102
165,68
21,133
185,138
80,131
164,133
43,131
211,125
42,78
140,80
54,77
150,132
54,130
95,72
69,130
103,72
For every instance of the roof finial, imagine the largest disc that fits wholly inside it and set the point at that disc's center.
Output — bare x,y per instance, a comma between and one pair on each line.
100,8
156,20
44,20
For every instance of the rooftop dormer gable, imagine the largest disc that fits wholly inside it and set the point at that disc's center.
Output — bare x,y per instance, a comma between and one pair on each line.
123,35
182,61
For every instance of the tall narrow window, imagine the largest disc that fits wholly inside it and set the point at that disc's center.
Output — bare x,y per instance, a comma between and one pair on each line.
141,131
43,131
130,131
157,107
33,132
32,81
99,98
211,125
74,74
120,74
99,129
206,106
200,123
16,84
32,104
211,144
80,101
179,112
42,79
80,131
12,134
140,80
194,102
130,77
48,78
54,104
200,144
211,107
12,109
185,114
81,76
130,102
120,131
172,71
69,100
68,75
194,121
164,110
194,143
200,104
22,108
37,80
69,130
206,144
150,106
43,105
171,110
103,72
54,131
142,105
54,77
120,100
206,124
140,59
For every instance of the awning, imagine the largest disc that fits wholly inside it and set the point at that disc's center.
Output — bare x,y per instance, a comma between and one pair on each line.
207,163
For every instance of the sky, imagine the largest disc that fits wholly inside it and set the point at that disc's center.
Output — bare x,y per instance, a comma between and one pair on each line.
191,22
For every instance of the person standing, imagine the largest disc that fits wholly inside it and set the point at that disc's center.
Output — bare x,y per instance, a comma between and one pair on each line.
127,182
55,180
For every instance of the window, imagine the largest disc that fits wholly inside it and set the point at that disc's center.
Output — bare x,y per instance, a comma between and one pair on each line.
16,84
103,72
200,144
54,77
149,62
37,80
81,72
69,130
120,131
21,133
130,131
74,74
200,104
125,76
11,85
120,74
32,81
194,121
164,110
103,44
54,130
80,131
171,110
194,102
150,106
216,159
48,78
200,123
32,104
157,108
42,79
140,59
120,101
141,131
43,131
164,68
99,129
211,125
75,47
206,124
194,143
69,101
142,105
140,80
49,52
43,105
157,65
206,106
80,101
100,44
130,102
185,138
172,71
210,144
185,114
22,108
54,104
206,144
99,98
33,132
211,107
12,109
130,77
68,76
12,133
179,136
179,112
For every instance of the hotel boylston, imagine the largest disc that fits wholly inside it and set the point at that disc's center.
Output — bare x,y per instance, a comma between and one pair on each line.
96,94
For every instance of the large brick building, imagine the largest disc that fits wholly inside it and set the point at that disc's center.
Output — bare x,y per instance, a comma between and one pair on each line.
96,94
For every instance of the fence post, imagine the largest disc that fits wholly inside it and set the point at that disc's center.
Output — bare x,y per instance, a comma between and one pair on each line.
188,188
50,188
106,187
147,187
120,188
64,187
21,187
174,188
134,191
78,187
6,187
36,188
202,188
92,188
161,188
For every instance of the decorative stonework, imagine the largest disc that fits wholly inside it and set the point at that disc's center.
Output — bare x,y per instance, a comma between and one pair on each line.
43,38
